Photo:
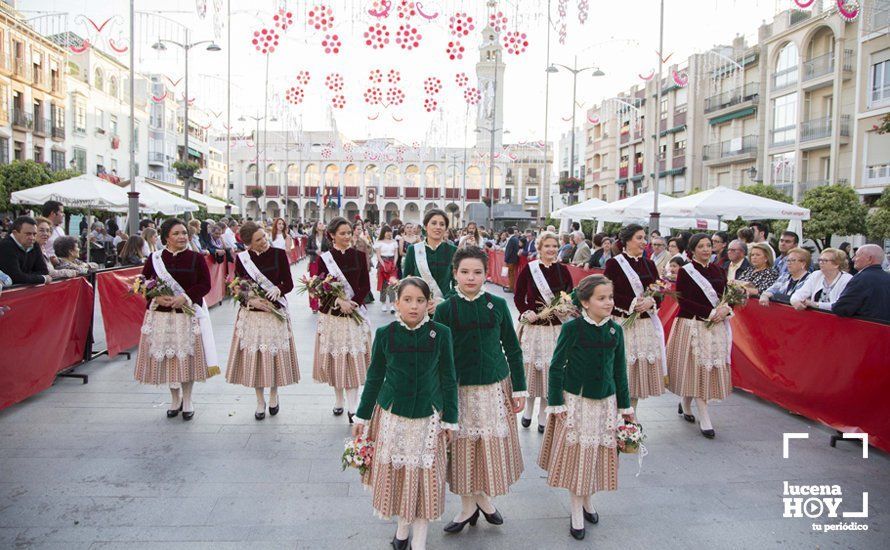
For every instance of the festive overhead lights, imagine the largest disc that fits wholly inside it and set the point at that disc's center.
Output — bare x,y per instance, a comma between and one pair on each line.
321,18
377,36
455,50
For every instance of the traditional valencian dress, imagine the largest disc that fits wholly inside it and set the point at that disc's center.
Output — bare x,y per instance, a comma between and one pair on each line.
176,347
410,398
536,287
698,356
644,340
485,455
342,346
588,381
433,266
263,354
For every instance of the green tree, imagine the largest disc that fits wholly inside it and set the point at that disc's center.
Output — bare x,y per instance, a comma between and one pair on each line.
878,221
62,175
19,175
834,210
761,190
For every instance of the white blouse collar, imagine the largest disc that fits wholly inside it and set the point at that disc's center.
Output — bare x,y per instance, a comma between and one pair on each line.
175,253
422,322
467,298
632,257
591,321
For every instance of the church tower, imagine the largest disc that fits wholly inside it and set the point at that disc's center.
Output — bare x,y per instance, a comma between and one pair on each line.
490,78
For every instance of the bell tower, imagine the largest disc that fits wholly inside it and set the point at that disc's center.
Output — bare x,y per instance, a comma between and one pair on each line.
490,78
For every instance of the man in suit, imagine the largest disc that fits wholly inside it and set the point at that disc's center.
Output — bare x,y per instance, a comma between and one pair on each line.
868,293
737,251
20,257
511,257
529,250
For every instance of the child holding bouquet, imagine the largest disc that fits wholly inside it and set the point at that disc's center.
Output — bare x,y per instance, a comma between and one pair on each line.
409,411
587,395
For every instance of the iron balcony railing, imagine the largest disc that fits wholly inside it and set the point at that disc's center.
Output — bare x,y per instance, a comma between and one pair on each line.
820,128
741,94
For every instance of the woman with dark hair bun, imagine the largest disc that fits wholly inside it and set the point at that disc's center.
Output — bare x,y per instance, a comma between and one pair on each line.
631,274
177,348
342,346
430,259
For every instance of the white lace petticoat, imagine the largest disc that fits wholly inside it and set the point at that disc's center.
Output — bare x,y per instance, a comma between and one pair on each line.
709,345
407,442
590,422
642,343
537,343
170,334
261,331
340,336
483,411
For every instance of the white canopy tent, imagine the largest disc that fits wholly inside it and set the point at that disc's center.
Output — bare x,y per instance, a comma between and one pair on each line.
729,204
576,211
155,200
628,210
213,206
84,191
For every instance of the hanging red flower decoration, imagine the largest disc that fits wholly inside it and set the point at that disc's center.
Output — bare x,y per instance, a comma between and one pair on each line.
303,77
515,42
294,95
321,18
265,40
338,101
377,36
283,19
498,21
461,79
455,50
373,96
393,76
430,104
334,82
376,76
432,85
331,44
406,9
408,37
472,96
395,96
461,24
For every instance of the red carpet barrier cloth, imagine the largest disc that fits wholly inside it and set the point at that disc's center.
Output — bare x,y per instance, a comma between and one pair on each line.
44,332
298,252
496,264
819,365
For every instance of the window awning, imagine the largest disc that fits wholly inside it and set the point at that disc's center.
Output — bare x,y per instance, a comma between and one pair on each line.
621,181
732,116
673,130
674,172
195,153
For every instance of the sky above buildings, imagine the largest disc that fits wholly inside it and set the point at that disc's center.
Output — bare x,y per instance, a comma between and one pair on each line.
621,40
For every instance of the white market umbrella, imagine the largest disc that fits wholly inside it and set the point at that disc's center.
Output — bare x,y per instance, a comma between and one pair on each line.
214,206
629,210
726,203
155,200
577,211
84,191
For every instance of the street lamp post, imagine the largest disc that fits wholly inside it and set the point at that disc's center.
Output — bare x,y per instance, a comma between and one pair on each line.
491,131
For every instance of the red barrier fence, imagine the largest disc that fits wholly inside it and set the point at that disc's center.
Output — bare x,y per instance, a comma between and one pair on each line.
298,252
121,315
496,272
44,332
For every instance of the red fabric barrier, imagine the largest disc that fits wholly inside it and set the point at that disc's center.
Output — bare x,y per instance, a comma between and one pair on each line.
121,314
579,273
44,332
218,275
821,366
496,264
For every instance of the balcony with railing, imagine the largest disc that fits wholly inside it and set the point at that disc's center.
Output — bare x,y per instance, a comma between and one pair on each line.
821,128
474,194
799,16
878,174
20,69
58,131
22,119
811,184
749,93
622,172
431,193
452,193
824,65
785,135
390,192
293,191
311,192
351,191
272,191
39,125
156,158
744,146
412,193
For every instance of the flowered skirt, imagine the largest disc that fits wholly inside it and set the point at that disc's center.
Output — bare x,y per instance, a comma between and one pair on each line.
698,362
580,452
643,351
342,352
170,349
407,474
485,454
262,354
537,343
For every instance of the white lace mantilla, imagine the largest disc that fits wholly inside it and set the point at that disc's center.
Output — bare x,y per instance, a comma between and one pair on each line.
170,334
342,336
407,442
537,343
641,342
591,422
482,412
709,345
260,331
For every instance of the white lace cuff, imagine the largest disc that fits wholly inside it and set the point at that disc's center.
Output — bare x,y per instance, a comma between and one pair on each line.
449,426
517,394
629,410
556,409
358,420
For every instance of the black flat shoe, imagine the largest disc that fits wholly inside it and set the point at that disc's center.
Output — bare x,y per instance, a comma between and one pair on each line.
259,416
399,544
274,410
458,526
687,417
338,411
188,415
592,517
710,434
173,413
494,518
577,534
351,416
540,428
526,422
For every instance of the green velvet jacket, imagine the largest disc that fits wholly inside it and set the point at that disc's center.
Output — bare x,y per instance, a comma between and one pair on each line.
486,349
439,261
589,361
411,373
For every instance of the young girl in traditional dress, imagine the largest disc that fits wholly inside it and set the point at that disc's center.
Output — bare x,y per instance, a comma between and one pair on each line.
343,346
263,354
536,287
485,455
177,349
699,355
587,394
631,274
430,259
410,399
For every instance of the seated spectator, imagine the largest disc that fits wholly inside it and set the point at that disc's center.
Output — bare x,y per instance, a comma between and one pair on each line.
746,235
797,262
673,267
760,275
68,251
603,252
673,248
567,250
659,254
44,235
787,241
868,292
20,258
582,249
217,247
131,252
119,238
737,263
194,238
4,280
149,241
720,239
823,288
847,249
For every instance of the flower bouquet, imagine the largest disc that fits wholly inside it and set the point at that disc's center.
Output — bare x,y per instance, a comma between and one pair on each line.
561,307
631,435
358,453
733,295
154,288
327,289
242,290
657,290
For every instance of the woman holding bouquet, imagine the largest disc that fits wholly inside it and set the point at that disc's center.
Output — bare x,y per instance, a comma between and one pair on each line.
485,455
263,354
430,259
632,274
537,287
700,342
409,410
177,347
343,344
587,394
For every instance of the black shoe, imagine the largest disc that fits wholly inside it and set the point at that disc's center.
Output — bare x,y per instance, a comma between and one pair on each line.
592,517
687,417
173,413
457,527
577,534
540,428
495,518
338,411
188,415
399,544
274,410
526,422
710,434
351,416
259,416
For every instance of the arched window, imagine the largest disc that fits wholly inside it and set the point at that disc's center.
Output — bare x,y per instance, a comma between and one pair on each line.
112,87
412,176
431,179
787,67
351,176
99,79
391,176
474,177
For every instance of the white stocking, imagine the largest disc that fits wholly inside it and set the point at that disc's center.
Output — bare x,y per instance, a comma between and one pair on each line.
542,412
338,398
703,417
175,397
352,400
529,408
273,396
588,505
633,402
187,405
468,508
260,400
687,405
577,511
485,504
403,529
420,527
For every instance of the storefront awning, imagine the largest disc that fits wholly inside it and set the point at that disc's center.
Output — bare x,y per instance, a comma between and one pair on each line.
732,116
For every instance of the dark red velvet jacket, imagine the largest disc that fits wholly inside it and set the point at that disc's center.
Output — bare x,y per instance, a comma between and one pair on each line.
624,293
272,263
354,266
527,297
693,302
188,269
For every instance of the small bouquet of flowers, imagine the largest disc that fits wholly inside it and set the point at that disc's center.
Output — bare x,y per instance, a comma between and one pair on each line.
242,290
357,453
327,289
631,435
561,307
154,288
657,290
733,295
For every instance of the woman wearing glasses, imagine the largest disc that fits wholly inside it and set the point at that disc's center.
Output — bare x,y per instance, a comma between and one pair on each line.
824,287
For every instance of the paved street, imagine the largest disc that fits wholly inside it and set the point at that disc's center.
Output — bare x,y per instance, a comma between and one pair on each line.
100,467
